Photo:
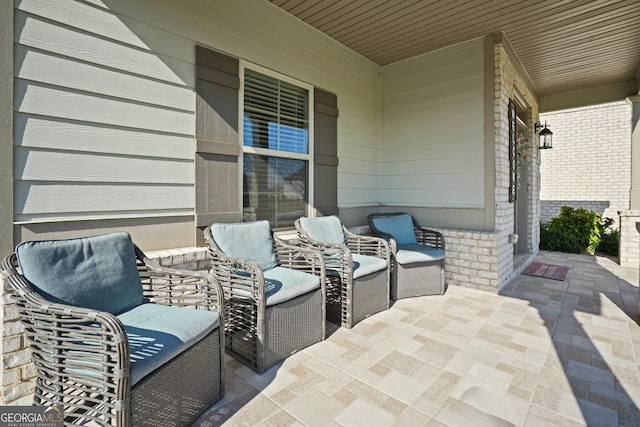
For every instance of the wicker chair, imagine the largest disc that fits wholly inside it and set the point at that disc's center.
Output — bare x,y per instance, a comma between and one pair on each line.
417,254
115,339
357,268
274,292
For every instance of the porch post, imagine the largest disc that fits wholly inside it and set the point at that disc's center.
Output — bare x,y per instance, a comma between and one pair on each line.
11,347
6,128
629,252
634,196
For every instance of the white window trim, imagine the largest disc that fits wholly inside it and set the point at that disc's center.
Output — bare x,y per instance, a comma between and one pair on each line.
275,153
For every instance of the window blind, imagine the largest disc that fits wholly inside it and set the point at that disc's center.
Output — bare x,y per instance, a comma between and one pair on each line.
276,114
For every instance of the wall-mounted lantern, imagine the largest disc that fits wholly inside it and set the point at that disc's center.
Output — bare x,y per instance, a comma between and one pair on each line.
545,136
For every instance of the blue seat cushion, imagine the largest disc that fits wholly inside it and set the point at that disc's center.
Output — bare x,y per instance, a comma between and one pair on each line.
158,333
409,254
399,226
97,272
247,240
283,284
327,229
363,265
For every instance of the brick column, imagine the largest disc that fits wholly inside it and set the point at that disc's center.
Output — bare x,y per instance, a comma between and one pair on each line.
634,195
629,251
629,237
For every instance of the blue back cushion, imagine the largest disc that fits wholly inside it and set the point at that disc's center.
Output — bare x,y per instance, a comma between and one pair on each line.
96,272
399,226
327,229
247,240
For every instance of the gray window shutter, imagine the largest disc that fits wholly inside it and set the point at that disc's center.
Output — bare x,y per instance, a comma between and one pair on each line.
217,146
325,194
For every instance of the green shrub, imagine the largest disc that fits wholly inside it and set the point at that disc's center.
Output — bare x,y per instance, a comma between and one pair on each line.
580,227
555,239
609,243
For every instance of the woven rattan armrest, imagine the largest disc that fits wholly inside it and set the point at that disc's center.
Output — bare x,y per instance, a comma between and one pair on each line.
299,258
367,245
336,257
238,277
182,288
428,237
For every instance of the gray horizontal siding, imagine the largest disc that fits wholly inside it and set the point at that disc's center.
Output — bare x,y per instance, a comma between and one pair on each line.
104,121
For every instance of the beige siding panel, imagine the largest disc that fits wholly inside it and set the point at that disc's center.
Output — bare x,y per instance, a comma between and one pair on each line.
56,102
356,197
468,198
46,165
65,72
435,152
359,156
104,120
34,32
108,25
362,181
69,135
430,181
433,167
59,201
359,152
433,140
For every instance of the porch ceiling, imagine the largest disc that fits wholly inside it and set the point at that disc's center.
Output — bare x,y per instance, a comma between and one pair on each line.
563,45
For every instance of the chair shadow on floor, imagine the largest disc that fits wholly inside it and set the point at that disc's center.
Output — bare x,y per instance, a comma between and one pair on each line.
583,314
243,386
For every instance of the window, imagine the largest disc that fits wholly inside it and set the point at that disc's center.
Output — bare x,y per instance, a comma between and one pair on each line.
276,148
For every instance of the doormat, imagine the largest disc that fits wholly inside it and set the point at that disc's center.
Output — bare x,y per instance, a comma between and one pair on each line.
548,271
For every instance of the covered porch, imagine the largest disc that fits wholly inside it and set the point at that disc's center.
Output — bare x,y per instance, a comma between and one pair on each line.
102,110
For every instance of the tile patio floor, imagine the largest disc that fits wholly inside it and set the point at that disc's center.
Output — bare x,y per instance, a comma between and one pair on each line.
543,353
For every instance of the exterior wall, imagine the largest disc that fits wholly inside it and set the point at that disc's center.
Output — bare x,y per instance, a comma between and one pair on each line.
590,163
433,120
423,129
105,103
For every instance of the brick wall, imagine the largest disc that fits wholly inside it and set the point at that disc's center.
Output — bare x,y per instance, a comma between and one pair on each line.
590,163
17,371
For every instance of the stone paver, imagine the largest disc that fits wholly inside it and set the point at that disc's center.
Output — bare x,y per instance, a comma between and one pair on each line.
542,352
